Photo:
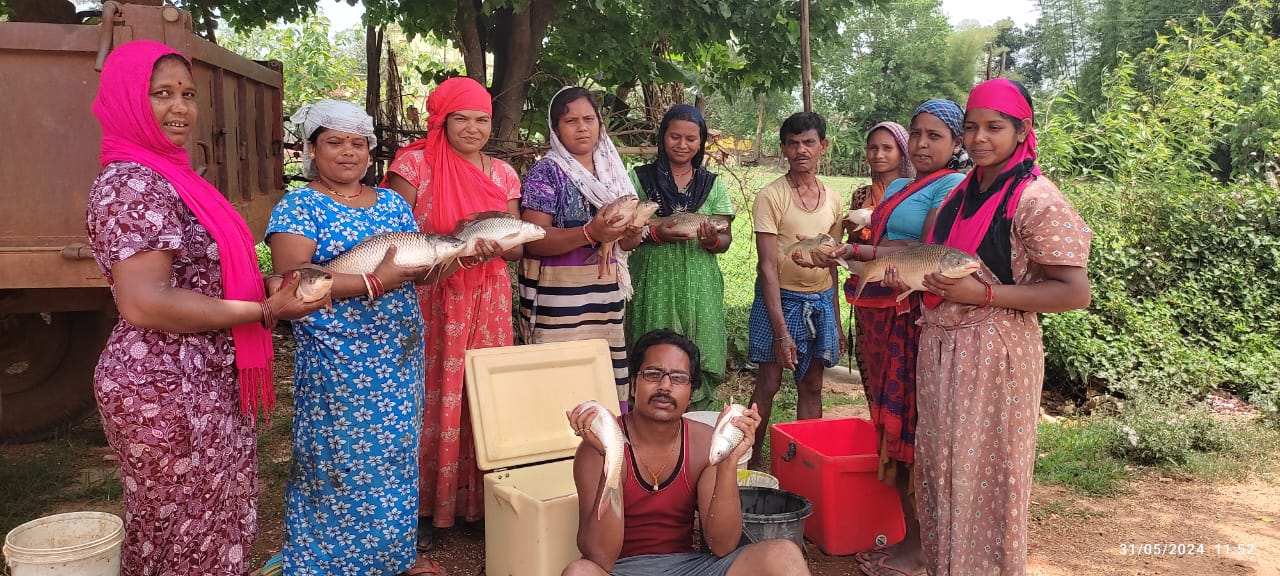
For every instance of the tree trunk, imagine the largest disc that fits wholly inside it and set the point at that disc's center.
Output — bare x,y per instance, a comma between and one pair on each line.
470,23
760,110
517,45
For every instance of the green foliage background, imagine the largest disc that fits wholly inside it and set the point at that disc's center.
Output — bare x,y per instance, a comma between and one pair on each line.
1175,172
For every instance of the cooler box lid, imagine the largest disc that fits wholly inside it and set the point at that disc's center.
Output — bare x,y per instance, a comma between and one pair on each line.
518,396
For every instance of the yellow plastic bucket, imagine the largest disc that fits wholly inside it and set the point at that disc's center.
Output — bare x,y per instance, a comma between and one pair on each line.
756,479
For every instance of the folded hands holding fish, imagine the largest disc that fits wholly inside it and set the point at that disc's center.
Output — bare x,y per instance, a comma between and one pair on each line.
684,226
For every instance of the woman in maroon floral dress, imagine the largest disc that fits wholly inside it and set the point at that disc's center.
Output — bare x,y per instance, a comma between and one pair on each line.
189,362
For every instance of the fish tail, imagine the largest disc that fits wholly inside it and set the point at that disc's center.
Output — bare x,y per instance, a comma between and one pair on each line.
858,269
611,498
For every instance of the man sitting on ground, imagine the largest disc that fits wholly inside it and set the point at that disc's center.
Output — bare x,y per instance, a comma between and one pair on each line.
666,477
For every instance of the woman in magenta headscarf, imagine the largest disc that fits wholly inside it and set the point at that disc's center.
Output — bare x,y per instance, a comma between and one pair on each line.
981,360
447,177
189,362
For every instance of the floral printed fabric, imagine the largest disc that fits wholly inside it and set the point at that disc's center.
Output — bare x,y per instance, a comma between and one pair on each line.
979,376
170,403
450,485
352,496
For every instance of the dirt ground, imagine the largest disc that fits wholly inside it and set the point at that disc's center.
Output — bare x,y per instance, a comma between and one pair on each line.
1159,526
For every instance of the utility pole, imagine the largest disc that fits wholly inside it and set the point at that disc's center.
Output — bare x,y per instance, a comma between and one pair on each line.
806,72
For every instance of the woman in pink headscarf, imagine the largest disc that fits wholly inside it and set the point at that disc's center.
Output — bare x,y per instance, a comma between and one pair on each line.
447,177
981,360
189,362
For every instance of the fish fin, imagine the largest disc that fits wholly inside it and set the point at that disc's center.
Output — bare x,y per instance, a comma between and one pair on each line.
844,263
903,296
611,498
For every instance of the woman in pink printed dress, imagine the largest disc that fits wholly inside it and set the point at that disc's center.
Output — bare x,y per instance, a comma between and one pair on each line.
981,360
446,178
189,362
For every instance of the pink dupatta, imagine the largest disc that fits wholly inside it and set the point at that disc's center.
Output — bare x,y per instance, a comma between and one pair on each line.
966,233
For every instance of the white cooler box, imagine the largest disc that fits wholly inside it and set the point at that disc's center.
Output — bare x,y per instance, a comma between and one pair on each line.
518,396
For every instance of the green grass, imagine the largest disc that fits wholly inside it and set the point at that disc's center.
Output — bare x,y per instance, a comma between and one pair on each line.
33,481
1249,448
842,400
1077,454
30,483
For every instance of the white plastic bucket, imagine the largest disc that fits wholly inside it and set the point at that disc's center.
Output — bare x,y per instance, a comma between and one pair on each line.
75,543
709,417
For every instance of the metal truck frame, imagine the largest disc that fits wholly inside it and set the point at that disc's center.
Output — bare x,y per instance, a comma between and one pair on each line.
55,308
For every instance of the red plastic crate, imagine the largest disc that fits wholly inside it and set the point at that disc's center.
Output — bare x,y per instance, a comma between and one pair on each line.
833,463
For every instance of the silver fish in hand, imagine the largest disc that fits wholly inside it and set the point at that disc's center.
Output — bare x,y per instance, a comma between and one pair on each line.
413,250
726,436
860,218
687,223
314,284
501,227
822,242
605,426
913,264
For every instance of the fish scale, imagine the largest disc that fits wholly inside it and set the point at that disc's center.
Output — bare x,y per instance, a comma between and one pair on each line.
913,264
726,436
413,250
687,223
500,227
605,426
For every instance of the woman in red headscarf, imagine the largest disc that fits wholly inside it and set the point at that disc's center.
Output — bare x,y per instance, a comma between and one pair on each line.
981,360
188,364
447,177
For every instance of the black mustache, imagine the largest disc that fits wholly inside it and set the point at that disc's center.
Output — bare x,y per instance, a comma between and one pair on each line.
664,397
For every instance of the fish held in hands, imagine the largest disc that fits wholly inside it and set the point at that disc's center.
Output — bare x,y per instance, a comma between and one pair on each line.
861,218
688,223
823,243
314,285
413,250
605,426
726,436
501,227
623,211
913,264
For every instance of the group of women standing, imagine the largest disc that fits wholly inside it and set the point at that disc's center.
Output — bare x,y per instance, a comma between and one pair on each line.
381,451
953,376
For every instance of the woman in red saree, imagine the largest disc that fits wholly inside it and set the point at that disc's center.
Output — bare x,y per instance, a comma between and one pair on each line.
447,178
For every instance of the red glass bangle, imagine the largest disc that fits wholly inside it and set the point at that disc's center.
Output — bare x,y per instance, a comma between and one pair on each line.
267,321
991,293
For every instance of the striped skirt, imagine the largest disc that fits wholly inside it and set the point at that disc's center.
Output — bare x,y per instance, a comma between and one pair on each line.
562,299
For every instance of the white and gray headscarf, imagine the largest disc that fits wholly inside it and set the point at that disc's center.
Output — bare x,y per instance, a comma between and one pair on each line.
334,115
609,183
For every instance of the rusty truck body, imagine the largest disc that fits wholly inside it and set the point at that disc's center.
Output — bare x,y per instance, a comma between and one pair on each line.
55,308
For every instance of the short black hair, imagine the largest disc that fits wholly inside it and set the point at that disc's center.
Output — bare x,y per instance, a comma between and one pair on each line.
635,357
560,104
802,122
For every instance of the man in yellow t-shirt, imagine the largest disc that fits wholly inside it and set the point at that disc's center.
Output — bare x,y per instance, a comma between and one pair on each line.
795,320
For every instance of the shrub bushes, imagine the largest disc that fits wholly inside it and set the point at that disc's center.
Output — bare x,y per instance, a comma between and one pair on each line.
1184,267
1186,294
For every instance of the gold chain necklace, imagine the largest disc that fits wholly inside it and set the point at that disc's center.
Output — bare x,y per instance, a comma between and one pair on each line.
657,477
339,194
